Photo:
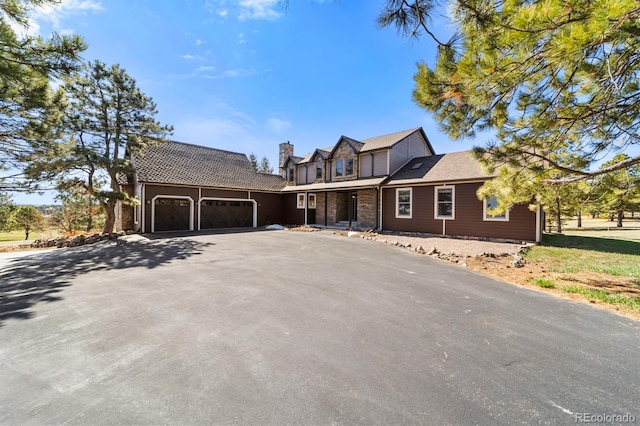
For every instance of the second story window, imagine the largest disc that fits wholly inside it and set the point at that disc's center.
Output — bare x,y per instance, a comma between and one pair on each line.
349,167
319,170
340,168
291,175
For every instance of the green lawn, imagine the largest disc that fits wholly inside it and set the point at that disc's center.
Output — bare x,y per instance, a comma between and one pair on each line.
12,236
569,253
575,257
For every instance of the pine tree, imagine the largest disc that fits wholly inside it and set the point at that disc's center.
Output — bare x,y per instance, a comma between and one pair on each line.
29,109
107,120
551,78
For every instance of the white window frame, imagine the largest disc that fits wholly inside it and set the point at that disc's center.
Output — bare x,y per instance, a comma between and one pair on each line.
301,196
341,169
487,218
311,203
404,216
453,202
319,167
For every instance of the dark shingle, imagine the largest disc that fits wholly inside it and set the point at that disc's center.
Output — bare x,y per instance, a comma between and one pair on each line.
179,163
454,166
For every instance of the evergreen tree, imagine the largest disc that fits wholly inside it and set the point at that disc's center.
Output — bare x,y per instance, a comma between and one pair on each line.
621,189
29,109
551,78
265,167
107,120
254,161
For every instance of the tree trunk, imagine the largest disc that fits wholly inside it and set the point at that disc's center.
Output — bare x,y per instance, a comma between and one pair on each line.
579,218
620,216
26,233
110,216
90,220
558,216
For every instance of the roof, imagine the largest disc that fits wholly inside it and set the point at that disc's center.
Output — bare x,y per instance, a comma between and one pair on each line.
358,183
455,166
179,163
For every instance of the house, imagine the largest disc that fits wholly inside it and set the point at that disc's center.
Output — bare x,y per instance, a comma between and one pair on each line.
394,182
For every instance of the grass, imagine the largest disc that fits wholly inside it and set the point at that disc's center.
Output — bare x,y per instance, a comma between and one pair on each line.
543,282
570,254
601,263
604,296
12,236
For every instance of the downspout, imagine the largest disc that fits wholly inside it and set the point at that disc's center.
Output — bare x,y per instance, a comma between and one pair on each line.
143,207
381,207
372,165
306,207
377,188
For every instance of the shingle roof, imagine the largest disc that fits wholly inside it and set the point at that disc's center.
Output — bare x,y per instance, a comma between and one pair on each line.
455,166
179,163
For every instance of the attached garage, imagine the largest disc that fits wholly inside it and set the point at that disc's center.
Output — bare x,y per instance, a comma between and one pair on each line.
172,213
227,213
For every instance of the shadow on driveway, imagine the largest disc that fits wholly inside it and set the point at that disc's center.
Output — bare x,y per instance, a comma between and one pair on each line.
36,278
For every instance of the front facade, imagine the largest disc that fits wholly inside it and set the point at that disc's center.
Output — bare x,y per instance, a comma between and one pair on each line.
394,182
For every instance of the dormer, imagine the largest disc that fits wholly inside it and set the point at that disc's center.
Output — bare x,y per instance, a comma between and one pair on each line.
343,159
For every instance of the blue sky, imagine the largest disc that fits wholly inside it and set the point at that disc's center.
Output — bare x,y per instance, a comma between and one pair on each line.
246,75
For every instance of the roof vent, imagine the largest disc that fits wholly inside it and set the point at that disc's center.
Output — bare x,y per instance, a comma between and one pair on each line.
416,166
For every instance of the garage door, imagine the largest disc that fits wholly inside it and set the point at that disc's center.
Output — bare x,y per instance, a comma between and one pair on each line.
171,214
226,214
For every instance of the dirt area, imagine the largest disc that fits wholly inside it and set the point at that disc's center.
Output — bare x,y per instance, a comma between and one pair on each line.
502,260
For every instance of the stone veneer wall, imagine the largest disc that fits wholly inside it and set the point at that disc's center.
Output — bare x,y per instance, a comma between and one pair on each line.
320,199
367,208
331,208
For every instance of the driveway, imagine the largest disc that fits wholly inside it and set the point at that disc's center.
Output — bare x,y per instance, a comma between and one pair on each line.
296,328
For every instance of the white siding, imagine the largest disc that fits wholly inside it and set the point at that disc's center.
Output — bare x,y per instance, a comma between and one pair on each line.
365,165
380,164
311,172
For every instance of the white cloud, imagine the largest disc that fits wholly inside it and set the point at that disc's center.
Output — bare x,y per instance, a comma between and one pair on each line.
56,13
189,57
241,38
223,13
277,125
205,68
259,9
200,42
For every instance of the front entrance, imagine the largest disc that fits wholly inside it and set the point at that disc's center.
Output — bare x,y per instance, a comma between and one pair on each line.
347,206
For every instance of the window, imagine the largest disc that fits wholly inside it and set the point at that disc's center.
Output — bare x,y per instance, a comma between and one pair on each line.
403,203
319,170
445,202
492,203
291,175
301,199
339,168
349,167
312,201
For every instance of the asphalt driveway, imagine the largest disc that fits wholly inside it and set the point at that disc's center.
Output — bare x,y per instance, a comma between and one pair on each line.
294,328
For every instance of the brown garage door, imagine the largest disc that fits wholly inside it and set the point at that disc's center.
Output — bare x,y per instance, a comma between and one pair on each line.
171,214
226,214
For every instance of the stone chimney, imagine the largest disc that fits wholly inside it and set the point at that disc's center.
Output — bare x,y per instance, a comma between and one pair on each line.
286,149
